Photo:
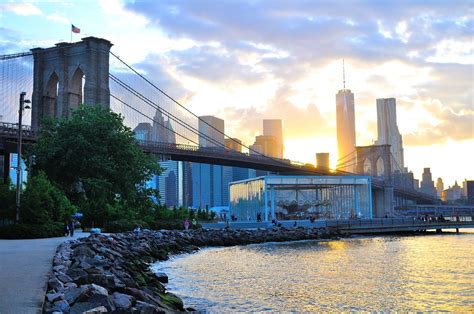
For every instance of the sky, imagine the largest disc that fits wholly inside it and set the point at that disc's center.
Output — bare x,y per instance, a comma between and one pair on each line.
245,61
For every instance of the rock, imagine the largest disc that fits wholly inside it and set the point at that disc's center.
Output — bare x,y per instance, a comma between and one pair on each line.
162,277
70,285
100,309
75,273
55,284
54,297
61,306
63,277
147,308
122,301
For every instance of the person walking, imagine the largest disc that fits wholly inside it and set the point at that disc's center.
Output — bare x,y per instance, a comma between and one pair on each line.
70,226
186,224
66,229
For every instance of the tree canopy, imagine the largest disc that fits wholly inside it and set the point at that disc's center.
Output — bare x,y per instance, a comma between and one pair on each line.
97,162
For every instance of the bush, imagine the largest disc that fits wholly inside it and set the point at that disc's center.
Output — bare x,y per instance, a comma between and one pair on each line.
31,231
7,202
43,202
123,225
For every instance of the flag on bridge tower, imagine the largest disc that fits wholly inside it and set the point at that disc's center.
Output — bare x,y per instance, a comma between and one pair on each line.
75,29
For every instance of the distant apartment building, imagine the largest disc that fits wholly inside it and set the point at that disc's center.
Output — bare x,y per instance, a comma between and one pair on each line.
453,193
387,131
274,128
469,192
439,187
346,139
234,144
427,184
322,161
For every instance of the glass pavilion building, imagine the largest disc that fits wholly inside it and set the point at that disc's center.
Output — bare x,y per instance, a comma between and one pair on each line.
301,197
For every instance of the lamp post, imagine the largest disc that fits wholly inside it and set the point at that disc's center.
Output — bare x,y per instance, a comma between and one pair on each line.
23,101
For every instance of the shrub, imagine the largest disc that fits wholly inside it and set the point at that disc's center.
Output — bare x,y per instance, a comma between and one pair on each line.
7,202
124,225
31,231
43,202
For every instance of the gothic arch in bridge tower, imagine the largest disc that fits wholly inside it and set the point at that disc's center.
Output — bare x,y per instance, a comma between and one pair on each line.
374,160
71,63
76,89
50,95
380,167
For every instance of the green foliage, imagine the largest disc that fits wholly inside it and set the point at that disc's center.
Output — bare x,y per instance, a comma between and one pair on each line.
26,231
7,202
124,225
95,159
42,202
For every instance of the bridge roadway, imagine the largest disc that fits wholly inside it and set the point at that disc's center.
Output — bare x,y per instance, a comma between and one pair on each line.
358,226
214,155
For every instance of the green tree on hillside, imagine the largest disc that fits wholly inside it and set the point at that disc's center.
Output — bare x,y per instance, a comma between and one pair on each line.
95,159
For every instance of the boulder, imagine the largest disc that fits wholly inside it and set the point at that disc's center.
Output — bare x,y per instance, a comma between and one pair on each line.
162,277
55,284
61,306
100,309
51,297
122,301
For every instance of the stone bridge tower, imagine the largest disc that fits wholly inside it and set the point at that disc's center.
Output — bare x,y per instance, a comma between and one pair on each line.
67,75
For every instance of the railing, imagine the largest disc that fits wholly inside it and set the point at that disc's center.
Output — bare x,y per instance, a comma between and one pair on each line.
399,222
11,129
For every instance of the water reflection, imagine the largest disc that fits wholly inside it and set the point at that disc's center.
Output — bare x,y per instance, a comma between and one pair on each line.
368,274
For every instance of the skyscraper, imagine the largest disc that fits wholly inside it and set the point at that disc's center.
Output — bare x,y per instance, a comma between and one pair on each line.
322,161
345,119
439,187
211,130
162,129
387,131
427,184
273,127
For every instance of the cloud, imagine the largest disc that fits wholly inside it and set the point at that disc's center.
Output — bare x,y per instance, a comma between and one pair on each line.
58,18
23,9
450,125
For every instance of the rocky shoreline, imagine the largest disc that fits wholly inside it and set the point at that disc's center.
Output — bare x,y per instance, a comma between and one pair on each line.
111,273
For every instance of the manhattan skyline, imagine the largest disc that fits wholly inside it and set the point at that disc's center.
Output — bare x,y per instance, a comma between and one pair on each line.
245,62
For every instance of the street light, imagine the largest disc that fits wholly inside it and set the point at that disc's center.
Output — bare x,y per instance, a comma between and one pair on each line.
23,101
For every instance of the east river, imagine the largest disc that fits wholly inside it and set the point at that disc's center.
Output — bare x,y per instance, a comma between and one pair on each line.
392,273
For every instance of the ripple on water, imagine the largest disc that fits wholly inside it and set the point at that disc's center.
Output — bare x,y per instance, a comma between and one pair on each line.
363,274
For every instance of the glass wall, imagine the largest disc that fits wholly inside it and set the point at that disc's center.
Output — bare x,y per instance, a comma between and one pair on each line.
247,199
296,198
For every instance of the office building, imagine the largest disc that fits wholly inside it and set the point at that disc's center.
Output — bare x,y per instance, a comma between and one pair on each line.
416,184
453,193
346,140
211,131
427,184
439,187
143,131
403,180
274,128
234,144
387,131
469,192
162,130
322,161
266,145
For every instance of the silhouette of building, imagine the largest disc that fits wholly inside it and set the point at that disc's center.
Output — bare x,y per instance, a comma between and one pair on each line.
322,161
416,184
439,187
210,182
453,193
470,192
274,128
387,131
162,130
346,140
427,184
403,180
266,145
234,144
143,131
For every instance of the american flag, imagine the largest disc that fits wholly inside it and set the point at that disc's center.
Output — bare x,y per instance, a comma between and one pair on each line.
75,29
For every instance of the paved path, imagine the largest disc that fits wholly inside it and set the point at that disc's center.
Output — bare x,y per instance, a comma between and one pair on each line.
24,267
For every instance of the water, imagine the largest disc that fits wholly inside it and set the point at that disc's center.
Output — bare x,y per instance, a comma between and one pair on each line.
416,273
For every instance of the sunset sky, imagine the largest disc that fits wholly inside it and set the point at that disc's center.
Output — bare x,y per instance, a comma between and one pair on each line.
245,61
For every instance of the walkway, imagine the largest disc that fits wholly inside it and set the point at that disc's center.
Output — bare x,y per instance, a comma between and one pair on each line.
24,267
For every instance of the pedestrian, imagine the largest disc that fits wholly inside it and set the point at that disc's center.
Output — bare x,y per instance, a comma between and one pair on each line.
70,226
194,223
66,229
186,224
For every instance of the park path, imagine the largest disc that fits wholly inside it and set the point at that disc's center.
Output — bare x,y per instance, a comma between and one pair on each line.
24,268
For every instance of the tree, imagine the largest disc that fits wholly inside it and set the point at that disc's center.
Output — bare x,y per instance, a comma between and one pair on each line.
96,160
43,202
7,201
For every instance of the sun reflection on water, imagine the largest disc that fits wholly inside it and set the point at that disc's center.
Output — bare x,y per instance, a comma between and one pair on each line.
423,273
